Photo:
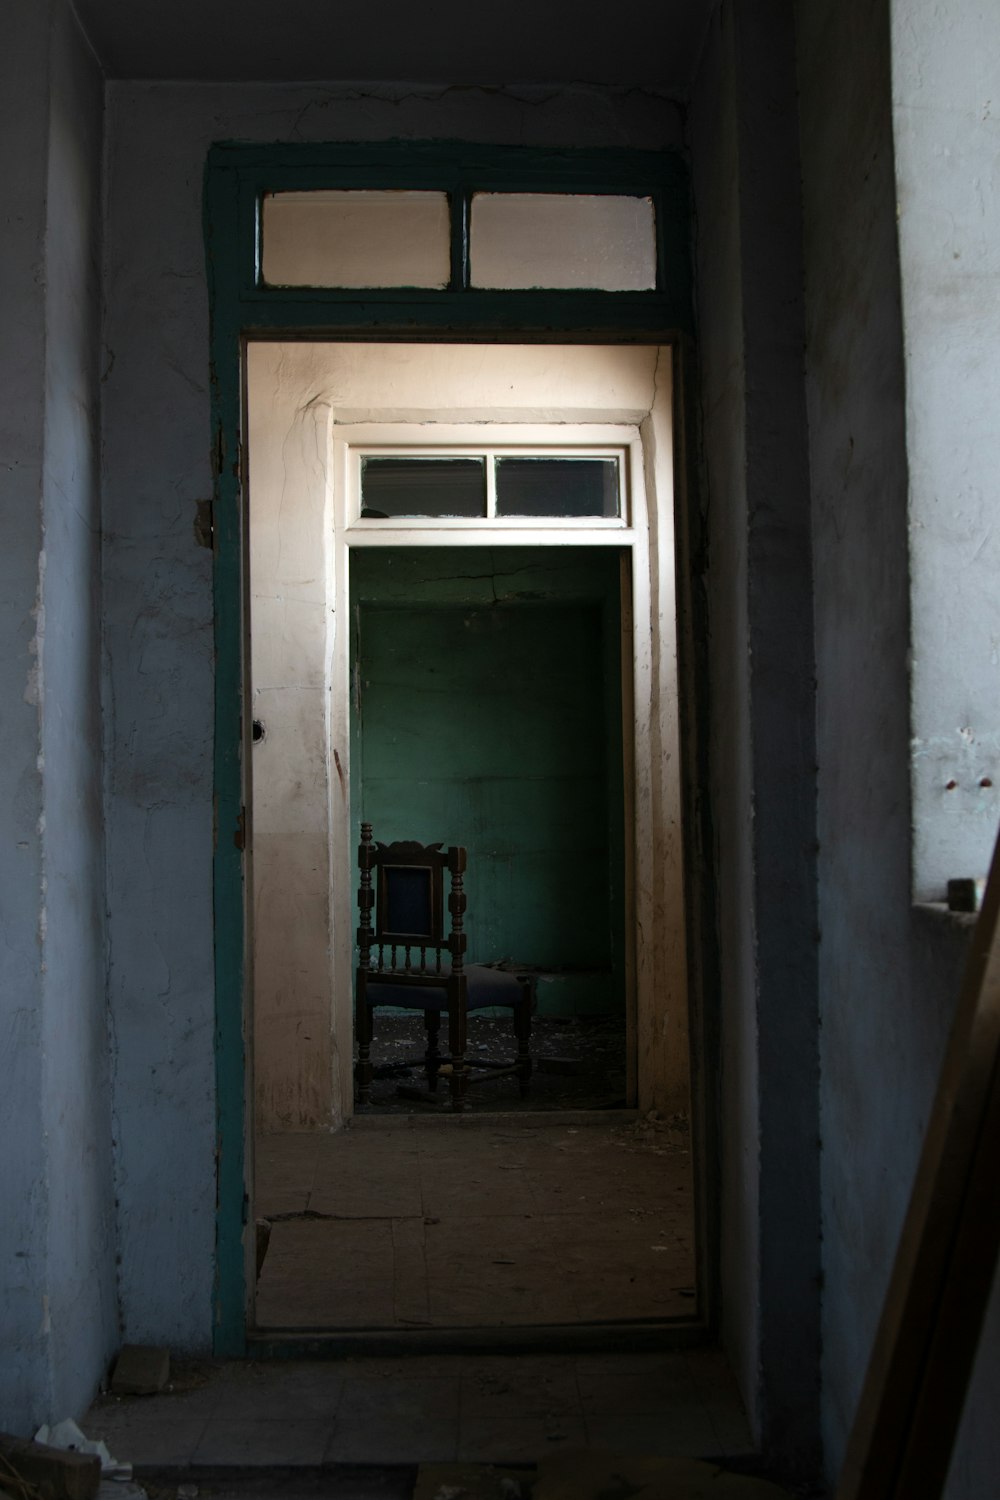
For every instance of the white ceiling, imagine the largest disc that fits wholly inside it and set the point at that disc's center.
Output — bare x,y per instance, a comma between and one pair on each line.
654,43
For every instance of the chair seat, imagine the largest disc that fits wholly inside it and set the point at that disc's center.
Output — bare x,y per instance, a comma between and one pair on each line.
486,987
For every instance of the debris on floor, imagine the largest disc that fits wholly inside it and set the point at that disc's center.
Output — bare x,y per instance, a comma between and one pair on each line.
590,1474
470,1482
68,1438
655,1132
190,1374
30,1469
579,1063
121,1489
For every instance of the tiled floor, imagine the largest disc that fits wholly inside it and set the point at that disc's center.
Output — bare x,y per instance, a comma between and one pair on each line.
430,1408
440,1222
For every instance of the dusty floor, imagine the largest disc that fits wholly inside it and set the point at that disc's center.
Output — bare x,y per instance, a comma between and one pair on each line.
493,1409
465,1222
486,1221
578,1063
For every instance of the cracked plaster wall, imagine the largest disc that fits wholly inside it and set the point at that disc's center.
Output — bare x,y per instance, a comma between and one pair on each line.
158,610
58,1309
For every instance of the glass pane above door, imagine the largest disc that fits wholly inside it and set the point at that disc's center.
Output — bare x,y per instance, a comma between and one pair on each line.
433,486
558,487
563,240
364,238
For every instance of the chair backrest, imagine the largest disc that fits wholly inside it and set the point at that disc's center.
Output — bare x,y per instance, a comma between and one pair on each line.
402,906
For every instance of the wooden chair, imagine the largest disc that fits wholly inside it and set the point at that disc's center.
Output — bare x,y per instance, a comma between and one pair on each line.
407,958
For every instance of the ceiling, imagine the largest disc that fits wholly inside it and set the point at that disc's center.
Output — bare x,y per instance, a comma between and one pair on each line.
652,43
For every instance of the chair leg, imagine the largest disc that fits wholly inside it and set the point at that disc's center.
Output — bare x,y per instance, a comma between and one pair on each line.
459,1080
522,1030
432,1057
364,1069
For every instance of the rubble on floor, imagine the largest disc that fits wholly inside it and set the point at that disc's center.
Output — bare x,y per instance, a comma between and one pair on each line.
29,1469
579,1063
62,1463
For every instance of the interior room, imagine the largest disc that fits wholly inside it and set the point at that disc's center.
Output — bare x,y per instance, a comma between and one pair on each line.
803,369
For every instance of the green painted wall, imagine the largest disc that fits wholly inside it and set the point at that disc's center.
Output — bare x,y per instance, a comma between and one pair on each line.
487,712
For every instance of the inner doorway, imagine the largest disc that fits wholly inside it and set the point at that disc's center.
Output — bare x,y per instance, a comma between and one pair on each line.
308,552
487,712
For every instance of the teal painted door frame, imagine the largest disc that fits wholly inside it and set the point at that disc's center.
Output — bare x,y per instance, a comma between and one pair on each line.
243,309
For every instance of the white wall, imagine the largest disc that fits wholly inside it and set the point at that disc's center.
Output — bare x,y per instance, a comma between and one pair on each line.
946,130
157,584
58,1309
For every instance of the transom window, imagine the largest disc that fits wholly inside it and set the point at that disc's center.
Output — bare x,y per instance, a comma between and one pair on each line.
400,238
510,485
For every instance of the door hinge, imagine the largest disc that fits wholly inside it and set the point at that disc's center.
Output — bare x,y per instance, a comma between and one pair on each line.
240,835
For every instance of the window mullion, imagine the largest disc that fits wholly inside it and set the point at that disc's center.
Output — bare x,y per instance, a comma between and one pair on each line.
491,485
461,198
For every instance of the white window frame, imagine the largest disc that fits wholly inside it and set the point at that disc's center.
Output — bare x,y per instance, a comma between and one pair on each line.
628,531
516,440
489,455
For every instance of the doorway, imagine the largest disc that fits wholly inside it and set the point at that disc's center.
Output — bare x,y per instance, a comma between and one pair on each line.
487,712
320,602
